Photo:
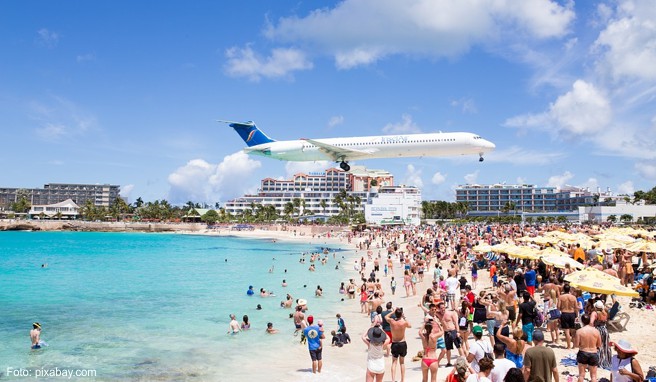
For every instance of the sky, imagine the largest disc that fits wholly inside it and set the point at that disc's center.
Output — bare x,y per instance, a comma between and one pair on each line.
129,93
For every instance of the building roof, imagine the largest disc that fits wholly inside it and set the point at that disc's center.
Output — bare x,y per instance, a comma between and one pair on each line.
66,203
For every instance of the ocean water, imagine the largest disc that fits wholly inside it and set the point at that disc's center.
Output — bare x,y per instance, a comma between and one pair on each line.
131,306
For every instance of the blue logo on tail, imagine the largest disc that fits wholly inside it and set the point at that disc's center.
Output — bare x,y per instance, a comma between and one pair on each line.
250,133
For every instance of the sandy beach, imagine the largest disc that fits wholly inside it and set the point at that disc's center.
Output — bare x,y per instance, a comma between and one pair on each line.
348,363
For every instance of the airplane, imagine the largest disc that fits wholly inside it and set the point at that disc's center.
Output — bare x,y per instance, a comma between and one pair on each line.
343,150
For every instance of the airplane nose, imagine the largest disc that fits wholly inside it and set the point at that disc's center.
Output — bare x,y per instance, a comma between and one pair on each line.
489,145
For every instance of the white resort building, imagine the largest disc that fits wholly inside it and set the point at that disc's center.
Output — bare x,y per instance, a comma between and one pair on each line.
394,205
67,210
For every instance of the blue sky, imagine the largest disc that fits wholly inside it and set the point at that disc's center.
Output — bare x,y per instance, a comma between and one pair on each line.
129,93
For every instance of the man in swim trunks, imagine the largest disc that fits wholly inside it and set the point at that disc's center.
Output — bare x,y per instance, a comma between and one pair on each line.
234,325
314,335
588,340
568,307
299,319
35,335
449,321
398,325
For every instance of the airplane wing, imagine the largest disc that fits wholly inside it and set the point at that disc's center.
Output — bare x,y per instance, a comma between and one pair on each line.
339,153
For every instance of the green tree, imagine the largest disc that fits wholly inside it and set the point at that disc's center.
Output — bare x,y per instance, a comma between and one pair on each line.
626,218
561,219
22,203
611,218
210,217
323,204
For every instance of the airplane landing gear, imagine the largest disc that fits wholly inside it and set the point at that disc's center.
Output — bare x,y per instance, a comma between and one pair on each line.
480,159
344,166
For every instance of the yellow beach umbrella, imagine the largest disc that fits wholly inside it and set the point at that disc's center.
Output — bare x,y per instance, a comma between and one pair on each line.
642,246
551,252
560,261
595,281
482,248
522,253
500,248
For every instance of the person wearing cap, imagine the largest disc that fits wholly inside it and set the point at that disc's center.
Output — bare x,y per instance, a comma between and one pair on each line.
540,361
314,334
35,335
624,367
376,340
478,350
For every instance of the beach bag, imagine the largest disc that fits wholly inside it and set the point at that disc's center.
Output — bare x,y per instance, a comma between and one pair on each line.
487,355
554,314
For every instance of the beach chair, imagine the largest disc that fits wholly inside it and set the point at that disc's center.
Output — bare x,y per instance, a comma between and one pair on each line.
619,322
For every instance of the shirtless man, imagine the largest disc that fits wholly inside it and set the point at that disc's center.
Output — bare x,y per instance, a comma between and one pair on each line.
234,325
449,321
509,295
568,309
376,301
398,325
35,335
299,320
588,340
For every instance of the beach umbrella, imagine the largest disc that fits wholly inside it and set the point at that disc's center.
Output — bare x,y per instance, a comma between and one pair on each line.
551,252
611,244
522,253
642,246
560,261
500,248
595,281
482,248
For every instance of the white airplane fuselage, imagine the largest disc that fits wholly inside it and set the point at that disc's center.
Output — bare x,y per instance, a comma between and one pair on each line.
371,147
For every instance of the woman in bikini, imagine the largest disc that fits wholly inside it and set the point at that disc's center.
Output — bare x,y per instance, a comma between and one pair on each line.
429,339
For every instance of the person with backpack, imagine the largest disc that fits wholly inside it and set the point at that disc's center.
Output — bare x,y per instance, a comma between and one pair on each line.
478,350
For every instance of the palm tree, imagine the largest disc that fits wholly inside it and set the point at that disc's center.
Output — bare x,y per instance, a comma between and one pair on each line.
289,209
611,219
323,205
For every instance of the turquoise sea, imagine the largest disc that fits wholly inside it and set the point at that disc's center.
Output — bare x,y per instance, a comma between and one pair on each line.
133,306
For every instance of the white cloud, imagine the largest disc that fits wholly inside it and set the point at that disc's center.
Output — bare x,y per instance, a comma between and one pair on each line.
200,181
335,121
413,177
520,180
646,170
584,110
518,156
466,105
627,43
405,127
472,177
438,178
591,183
244,62
85,57
60,118
292,168
47,38
361,32
626,188
560,180
127,190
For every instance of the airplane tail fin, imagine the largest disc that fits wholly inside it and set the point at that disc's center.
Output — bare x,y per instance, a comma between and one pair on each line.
249,133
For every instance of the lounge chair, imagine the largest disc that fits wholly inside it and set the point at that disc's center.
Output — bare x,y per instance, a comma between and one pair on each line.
617,320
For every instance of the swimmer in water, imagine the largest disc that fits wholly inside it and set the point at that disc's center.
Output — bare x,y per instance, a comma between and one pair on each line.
284,283
270,329
35,335
234,325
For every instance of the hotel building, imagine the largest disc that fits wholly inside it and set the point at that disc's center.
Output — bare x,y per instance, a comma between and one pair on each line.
394,205
313,188
101,195
488,198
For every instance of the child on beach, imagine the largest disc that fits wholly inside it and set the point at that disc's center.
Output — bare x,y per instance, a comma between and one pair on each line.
393,285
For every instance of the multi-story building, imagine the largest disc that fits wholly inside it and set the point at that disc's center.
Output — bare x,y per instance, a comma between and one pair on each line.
525,197
394,205
571,198
102,195
317,190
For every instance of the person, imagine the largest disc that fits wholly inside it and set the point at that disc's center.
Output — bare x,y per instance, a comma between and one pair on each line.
493,273
250,291
429,361
514,375
567,305
579,254
463,324
515,347
270,329
588,340
501,364
624,367
393,285
258,307
398,325
299,320
375,339
336,340
245,325
314,335
452,288
319,291
527,314
474,274
284,283
540,361
478,350
35,336
234,325
531,280
450,324
598,318
460,371
386,326
341,326
344,337
486,365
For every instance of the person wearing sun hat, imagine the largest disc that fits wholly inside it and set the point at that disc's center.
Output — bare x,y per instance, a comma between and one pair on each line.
624,367
376,340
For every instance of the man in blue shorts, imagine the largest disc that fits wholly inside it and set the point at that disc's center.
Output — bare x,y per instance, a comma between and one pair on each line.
314,335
